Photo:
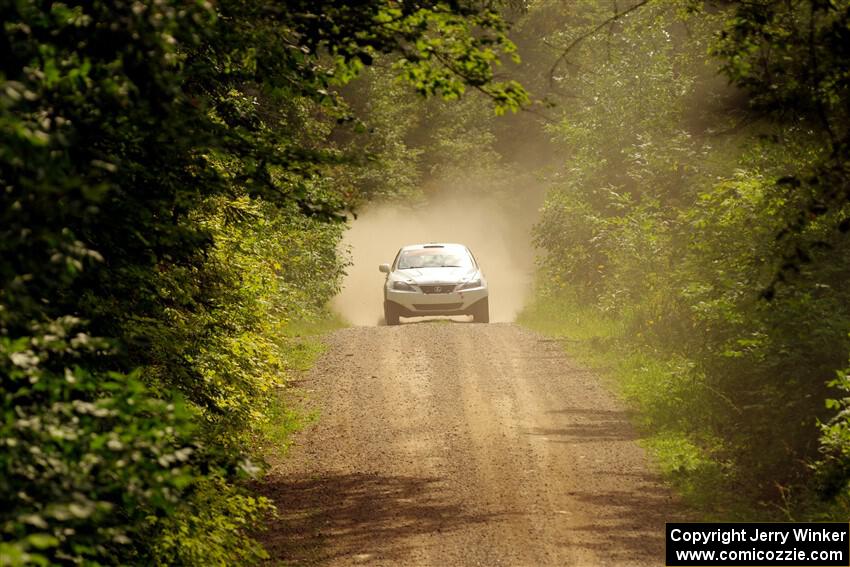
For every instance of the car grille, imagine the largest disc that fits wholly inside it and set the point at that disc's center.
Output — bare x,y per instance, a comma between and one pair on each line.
437,306
437,288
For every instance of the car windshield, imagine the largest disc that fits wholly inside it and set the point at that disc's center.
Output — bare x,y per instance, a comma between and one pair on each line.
434,258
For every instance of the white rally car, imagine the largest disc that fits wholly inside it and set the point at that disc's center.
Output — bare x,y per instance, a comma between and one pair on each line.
434,279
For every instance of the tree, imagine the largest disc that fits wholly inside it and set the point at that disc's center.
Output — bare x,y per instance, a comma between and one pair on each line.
137,142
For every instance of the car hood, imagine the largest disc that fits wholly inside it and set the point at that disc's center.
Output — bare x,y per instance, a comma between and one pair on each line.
435,275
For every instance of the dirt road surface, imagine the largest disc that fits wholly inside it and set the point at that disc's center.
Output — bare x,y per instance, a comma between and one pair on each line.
461,444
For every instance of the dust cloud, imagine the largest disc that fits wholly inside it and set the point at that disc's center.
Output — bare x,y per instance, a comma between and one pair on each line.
496,229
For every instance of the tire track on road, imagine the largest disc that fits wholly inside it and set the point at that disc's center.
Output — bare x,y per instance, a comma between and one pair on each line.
442,443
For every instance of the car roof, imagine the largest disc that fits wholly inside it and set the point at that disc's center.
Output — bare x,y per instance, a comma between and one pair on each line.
433,245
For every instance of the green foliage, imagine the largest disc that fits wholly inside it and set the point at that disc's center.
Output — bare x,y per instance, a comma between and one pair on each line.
671,218
87,456
169,181
212,527
417,147
390,112
793,60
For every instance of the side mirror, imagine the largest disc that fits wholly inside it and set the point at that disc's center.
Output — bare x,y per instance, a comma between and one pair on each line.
384,268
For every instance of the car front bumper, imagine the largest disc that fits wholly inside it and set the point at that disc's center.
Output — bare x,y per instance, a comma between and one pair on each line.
420,304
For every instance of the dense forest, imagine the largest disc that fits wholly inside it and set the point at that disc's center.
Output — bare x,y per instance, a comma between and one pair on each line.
177,177
694,237
172,201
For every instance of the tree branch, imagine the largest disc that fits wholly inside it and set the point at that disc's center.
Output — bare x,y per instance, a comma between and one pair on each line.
574,43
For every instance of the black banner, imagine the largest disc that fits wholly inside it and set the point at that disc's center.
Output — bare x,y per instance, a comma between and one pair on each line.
741,544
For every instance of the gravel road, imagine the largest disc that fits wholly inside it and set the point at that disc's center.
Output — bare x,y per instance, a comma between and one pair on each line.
442,443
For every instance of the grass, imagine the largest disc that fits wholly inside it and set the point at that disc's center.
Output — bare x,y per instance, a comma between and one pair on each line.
664,392
681,416
287,412
285,418
301,340
560,318
310,328
301,344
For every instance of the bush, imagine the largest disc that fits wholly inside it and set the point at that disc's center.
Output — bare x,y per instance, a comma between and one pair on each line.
714,251
87,456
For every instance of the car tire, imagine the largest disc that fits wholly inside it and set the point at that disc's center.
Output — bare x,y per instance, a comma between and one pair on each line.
481,311
391,314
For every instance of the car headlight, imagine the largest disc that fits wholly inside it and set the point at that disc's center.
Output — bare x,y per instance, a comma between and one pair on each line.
403,286
470,285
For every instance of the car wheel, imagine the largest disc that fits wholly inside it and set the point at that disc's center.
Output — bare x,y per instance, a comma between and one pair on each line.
481,312
390,313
